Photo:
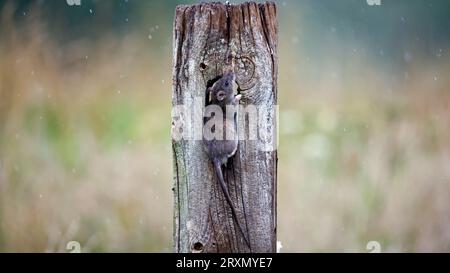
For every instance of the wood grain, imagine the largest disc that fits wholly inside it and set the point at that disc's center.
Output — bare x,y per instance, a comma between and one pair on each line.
204,37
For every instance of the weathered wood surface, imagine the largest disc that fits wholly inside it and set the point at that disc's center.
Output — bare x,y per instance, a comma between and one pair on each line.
204,37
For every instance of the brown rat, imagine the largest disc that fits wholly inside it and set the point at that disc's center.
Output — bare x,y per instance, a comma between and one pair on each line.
223,93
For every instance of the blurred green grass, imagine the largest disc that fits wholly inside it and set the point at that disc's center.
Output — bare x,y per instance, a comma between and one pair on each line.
85,148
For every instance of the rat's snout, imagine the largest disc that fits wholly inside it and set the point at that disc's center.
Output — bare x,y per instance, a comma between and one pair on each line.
230,75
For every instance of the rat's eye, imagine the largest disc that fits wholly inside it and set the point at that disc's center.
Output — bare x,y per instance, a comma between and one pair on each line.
227,83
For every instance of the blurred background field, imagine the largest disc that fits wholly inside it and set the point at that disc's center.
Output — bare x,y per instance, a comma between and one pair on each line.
85,100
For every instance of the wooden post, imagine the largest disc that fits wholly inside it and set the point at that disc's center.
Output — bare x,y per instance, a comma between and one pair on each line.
204,37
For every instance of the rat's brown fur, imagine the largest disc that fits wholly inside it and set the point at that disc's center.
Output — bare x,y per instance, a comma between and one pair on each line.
223,93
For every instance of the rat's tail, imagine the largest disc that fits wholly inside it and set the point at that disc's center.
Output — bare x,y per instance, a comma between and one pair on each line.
217,167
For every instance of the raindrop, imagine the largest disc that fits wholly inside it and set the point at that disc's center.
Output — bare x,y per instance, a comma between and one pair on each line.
407,56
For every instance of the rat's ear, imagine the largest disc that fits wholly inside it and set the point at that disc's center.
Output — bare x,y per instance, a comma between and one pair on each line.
221,95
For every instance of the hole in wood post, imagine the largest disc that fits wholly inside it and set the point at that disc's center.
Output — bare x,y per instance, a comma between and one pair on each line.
202,66
212,81
197,246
